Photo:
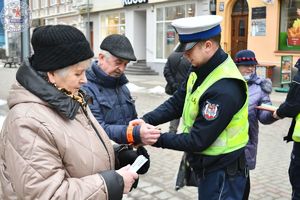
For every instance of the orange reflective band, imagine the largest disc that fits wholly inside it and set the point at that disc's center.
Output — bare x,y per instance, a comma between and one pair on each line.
129,134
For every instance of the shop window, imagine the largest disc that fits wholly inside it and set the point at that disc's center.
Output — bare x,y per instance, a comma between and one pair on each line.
44,3
289,36
242,28
166,37
241,6
112,24
52,2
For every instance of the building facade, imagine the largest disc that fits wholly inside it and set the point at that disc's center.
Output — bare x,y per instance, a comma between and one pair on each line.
271,28
147,23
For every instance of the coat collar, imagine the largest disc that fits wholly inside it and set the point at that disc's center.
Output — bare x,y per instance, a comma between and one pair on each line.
97,75
34,83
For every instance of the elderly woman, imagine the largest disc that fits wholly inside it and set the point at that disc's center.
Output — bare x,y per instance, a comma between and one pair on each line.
259,93
51,145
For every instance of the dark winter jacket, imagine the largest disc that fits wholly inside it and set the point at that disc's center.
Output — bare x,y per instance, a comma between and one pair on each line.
175,71
291,107
259,90
112,104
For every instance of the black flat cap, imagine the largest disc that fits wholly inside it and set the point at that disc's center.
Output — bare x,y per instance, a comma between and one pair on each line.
119,46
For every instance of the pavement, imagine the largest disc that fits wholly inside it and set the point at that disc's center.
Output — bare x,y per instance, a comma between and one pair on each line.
269,181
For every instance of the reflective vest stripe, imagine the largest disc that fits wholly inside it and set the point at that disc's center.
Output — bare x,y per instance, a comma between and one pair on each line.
296,133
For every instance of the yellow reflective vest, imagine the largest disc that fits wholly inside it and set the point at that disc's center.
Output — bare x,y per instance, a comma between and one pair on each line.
235,135
296,133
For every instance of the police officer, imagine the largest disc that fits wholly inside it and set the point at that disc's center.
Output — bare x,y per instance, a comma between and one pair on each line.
214,105
291,108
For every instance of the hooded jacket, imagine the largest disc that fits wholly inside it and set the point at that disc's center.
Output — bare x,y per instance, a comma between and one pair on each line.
52,148
259,90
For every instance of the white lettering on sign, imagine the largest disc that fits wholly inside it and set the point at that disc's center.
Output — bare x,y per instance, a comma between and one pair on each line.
132,2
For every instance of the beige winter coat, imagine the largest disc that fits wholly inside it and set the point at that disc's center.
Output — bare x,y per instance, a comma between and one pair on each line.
47,156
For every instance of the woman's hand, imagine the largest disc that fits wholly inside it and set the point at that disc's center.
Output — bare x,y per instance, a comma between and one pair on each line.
129,178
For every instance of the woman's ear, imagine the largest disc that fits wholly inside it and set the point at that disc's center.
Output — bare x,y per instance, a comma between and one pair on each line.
51,77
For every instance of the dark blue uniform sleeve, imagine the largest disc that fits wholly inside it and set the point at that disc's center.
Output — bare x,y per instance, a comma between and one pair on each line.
291,106
205,131
169,110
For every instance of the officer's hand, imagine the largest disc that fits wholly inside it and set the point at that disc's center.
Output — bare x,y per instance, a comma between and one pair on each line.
275,115
149,134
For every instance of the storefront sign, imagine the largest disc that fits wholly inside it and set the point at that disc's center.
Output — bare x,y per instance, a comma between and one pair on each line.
258,27
259,13
286,69
221,6
133,2
258,21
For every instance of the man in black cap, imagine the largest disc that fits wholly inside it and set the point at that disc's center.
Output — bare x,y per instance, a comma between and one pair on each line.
112,103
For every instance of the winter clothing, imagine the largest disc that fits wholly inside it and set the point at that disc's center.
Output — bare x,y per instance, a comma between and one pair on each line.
259,90
112,105
291,108
58,46
175,71
245,57
194,29
119,46
205,131
195,141
54,153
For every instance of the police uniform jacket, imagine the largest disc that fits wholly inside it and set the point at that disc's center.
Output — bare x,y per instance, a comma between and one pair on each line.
291,107
228,94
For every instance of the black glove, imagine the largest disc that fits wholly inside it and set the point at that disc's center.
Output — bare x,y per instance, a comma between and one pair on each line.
126,155
144,169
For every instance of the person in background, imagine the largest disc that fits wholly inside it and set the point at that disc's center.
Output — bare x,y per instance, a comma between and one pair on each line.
213,103
175,72
259,90
291,108
51,145
112,104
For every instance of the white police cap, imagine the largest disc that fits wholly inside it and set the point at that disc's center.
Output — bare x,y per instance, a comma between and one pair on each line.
193,29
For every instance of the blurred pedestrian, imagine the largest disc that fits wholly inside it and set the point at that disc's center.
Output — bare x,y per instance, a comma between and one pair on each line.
112,104
291,108
214,105
51,145
259,90
175,72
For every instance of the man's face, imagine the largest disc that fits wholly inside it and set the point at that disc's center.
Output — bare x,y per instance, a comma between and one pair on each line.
112,65
198,55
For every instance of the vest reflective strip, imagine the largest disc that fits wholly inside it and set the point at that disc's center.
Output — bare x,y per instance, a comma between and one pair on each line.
235,135
296,133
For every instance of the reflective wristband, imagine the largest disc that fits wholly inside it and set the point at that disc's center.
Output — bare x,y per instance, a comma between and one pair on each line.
129,134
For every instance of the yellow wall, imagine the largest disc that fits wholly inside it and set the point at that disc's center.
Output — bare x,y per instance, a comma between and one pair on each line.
265,47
